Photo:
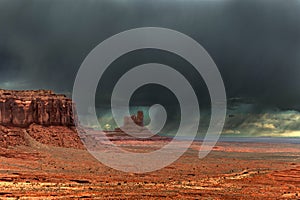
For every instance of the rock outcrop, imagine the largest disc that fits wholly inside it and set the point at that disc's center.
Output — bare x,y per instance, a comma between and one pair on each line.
138,119
134,125
43,107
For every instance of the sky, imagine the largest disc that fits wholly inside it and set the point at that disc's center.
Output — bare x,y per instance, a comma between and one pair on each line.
254,43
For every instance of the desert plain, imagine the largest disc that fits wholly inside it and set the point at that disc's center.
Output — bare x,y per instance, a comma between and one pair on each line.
39,163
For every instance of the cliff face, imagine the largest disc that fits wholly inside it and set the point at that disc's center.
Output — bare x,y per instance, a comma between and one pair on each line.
22,108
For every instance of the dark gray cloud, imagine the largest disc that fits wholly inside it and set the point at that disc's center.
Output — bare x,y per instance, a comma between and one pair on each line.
255,43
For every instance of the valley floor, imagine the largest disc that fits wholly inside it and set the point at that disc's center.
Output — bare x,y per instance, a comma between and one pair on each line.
230,171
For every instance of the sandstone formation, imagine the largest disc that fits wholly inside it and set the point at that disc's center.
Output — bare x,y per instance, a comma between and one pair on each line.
43,107
133,124
139,118
134,129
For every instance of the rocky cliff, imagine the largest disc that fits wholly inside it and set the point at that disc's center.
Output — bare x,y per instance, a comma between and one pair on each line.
43,107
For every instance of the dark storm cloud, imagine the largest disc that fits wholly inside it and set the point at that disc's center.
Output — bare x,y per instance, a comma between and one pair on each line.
255,43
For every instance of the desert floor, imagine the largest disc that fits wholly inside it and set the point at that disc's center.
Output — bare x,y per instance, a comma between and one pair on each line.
230,171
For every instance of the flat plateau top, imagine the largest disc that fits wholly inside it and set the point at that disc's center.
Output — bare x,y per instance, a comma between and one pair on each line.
29,94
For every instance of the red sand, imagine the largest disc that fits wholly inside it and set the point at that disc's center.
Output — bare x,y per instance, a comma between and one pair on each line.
231,171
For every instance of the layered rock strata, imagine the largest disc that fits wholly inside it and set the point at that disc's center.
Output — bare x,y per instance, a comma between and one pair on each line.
43,107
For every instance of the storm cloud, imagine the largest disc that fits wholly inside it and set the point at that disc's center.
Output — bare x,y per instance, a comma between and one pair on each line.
255,43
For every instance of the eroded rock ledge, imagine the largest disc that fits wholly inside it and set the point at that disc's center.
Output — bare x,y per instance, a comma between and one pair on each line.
43,107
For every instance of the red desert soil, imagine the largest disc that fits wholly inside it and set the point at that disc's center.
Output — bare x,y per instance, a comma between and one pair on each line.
36,167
